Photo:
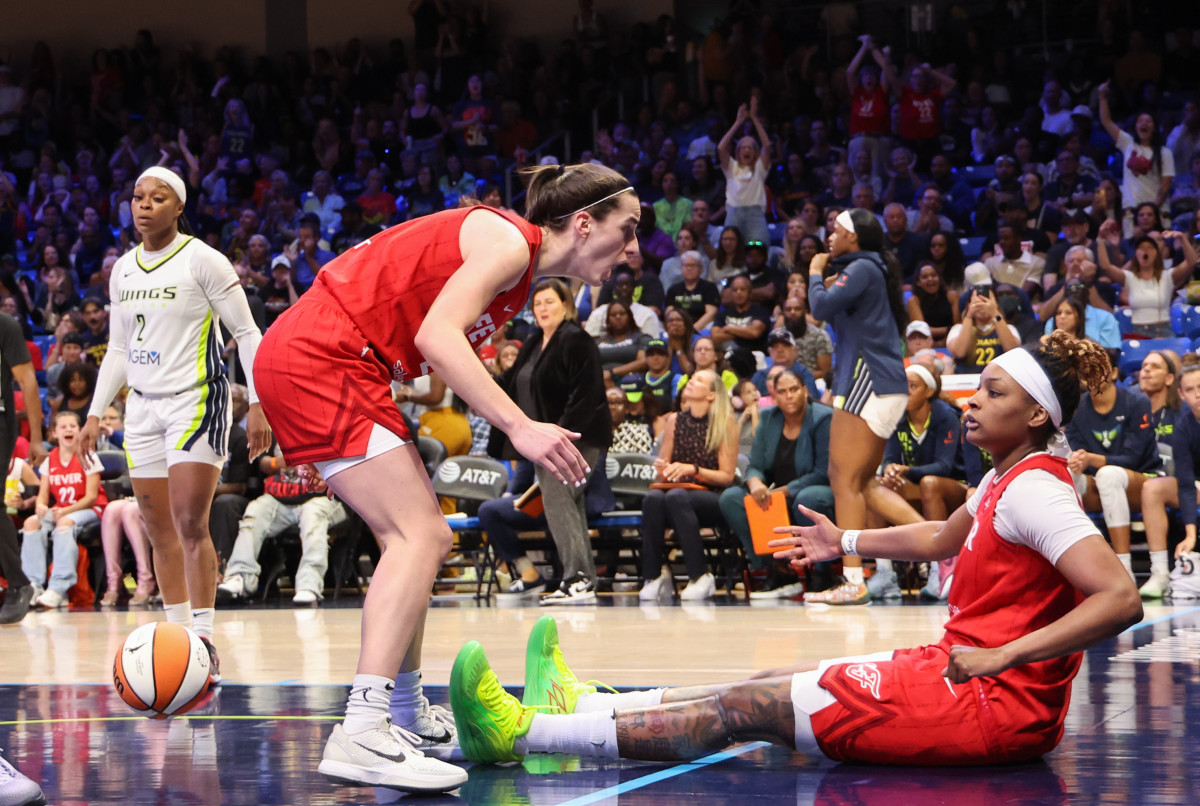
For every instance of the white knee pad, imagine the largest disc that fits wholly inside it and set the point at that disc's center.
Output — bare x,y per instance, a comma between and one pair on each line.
1112,483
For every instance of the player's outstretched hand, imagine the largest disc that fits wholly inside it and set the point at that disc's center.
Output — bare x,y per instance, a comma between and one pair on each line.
972,661
88,435
311,477
806,545
551,447
257,430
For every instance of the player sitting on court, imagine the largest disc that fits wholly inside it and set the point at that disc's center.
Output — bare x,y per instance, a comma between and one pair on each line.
69,499
1035,585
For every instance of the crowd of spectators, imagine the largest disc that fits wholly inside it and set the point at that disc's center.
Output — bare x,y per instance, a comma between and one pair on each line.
1020,189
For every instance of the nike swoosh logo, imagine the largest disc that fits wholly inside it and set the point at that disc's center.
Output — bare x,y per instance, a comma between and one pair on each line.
507,309
397,757
443,739
132,649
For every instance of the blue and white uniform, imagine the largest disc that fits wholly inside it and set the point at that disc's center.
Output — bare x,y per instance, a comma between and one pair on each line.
165,343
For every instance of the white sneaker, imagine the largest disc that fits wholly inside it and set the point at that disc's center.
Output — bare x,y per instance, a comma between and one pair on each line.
50,599
437,733
700,589
653,589
576,590
884,585
1155,586
779,587
304,597
386,756
231,589
16,789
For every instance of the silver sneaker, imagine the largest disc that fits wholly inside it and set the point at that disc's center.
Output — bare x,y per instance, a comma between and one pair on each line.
437,733
16,789
386,756
884,585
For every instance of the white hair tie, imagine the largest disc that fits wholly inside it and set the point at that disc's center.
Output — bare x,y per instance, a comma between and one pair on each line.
593,204
168,178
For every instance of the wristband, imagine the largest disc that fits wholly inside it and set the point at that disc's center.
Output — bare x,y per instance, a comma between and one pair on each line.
696,467
850,542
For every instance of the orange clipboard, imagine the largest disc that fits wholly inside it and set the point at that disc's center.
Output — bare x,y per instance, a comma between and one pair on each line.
763,522
530,501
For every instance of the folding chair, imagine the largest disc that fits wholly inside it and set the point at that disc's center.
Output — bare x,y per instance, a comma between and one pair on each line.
471,480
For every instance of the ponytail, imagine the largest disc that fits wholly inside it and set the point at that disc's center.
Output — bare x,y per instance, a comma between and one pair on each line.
556,192
1072,364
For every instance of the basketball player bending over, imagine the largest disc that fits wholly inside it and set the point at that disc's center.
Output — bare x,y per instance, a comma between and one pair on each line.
1035,585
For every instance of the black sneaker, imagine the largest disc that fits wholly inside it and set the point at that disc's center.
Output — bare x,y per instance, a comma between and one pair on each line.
16,604
520,589
214,663
779,585
574,591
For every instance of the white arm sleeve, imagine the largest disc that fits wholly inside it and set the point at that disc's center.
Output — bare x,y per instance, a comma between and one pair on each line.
111,378
235,313
216,276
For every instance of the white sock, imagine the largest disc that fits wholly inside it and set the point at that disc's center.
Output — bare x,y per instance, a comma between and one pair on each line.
1158,563
408,699
853,575
368,700
607,701
1128,563
593,734
203,620
179,613
883,566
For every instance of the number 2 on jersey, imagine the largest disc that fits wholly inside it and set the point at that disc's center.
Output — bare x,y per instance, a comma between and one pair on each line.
141,323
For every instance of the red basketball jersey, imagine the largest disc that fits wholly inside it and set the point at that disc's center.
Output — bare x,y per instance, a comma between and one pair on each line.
387,283
870,112
920,114
1003,591
68,483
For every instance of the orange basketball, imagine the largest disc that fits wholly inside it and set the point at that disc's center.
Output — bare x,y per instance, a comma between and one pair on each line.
162,670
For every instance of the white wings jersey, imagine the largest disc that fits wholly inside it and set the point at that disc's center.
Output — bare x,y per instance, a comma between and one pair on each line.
170,331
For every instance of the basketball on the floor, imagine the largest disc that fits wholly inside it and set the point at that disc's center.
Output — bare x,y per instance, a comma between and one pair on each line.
162,670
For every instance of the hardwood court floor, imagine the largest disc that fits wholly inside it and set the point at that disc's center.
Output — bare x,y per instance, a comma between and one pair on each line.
1133,731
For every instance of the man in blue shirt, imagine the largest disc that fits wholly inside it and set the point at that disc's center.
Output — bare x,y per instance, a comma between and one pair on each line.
781,351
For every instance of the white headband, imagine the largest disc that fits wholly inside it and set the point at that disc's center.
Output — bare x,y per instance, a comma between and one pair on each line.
1029,375
167,177
923,374
845,220
593,204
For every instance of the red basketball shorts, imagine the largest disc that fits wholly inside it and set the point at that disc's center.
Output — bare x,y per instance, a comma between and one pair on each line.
320,384
903,711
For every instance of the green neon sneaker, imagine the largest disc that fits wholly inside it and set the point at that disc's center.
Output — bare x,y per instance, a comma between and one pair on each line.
549,685
489,719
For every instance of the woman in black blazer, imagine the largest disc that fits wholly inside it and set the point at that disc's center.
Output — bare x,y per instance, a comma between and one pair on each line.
557,378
